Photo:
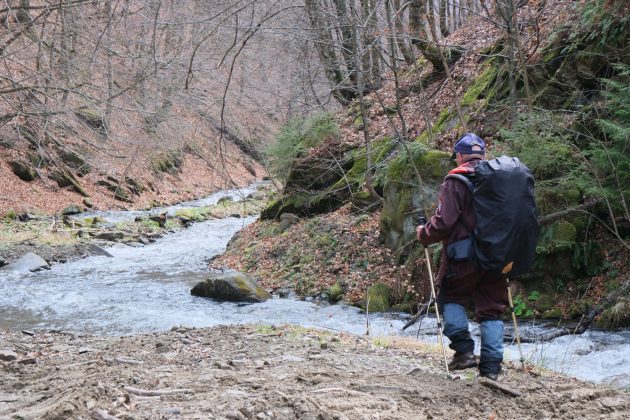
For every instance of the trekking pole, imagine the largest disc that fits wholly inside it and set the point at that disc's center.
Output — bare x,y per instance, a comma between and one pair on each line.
437,310
505,271
417,317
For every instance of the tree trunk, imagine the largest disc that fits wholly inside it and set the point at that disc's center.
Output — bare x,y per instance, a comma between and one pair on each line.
359,61
347,46
443,19
399,33
420,37
504,12
110,71
324,43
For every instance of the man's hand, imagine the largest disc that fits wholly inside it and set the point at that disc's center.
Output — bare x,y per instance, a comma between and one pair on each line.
421,222
418,231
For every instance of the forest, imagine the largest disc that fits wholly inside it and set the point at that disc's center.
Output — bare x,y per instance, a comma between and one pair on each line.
152,149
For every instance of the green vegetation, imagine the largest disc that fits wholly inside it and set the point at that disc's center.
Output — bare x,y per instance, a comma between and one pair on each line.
522,305
167,162
540,140
609,155
377,299
297,135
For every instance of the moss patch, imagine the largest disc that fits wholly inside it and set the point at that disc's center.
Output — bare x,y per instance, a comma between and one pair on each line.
377,298
480,87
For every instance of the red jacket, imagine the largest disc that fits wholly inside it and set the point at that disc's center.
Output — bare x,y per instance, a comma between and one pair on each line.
452,220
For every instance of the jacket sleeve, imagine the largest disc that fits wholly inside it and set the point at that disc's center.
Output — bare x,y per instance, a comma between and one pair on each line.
448,212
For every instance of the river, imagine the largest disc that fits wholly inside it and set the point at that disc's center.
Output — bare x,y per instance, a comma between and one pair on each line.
147,289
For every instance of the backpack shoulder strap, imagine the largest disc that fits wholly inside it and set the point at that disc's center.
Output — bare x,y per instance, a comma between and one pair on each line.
458,174
462,178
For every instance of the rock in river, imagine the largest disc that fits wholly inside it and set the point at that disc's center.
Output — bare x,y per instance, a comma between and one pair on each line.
232,286
28,262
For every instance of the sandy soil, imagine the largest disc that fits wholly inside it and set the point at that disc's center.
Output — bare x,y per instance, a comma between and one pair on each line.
266,372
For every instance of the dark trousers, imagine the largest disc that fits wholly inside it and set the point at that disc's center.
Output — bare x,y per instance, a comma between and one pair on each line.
464,286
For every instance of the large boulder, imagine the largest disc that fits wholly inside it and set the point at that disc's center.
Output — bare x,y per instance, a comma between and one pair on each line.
72,209
23,170
28,262
231,286
378,298
405,198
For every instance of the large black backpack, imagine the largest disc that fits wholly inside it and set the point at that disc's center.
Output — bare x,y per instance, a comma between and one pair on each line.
507,227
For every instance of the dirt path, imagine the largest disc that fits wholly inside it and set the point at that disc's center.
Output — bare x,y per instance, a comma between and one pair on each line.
264,372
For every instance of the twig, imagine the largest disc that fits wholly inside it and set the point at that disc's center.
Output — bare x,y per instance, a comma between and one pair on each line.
155,392
103,415
345,390
560,214
88,362
503,388
123,361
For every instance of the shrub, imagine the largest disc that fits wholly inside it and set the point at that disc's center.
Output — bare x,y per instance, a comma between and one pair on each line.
295,137
542,143
609,156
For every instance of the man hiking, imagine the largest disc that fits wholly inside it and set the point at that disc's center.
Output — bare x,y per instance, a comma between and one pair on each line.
461,282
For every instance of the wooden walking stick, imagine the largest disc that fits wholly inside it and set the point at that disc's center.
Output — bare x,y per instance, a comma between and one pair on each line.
437,310
505,271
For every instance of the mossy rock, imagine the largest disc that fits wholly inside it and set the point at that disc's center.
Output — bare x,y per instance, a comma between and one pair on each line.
225,200
560,236
65,178
91,117
579,309
72,222
121,195
363,201
445,121
377,298
74,161
565,231
134,185
335,293
304,205
60,178
317,173
554,313
481,88
404,199
354,178
23,170
231,286
72,209
189,214
545,302
617,316
167,162
94,221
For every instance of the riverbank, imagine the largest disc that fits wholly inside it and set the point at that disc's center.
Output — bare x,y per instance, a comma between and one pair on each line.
59,239
241,372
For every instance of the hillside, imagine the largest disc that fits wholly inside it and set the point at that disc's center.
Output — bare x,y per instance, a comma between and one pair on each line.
350,193
140,103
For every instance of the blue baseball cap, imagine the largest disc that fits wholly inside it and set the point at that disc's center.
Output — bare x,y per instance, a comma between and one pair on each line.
469,144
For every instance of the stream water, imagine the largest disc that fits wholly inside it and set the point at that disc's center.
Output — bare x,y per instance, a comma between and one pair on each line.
148,289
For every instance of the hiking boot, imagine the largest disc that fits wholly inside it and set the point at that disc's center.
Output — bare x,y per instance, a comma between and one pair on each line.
491,376
462,361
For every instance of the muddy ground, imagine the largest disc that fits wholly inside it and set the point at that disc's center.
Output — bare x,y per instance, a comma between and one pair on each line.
266,372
